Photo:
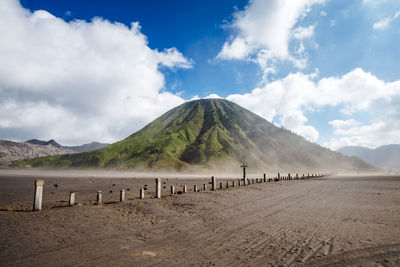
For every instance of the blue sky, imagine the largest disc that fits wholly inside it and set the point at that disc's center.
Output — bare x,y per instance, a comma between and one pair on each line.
327,70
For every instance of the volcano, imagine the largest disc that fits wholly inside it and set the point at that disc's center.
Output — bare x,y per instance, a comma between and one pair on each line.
210,134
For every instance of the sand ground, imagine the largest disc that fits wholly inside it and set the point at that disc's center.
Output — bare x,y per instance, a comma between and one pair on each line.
328,221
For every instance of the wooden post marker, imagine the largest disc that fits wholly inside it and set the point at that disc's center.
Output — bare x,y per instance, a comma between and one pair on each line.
233,183
205,187
195,188
297,176
213,183
122,195
244,166
265,178
72,198
141,193
227,184
289,176
38,196
220,185
172,189
158,187
99,198
238,182
279,176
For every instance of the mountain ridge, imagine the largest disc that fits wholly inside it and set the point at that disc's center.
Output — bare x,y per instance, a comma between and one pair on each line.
385,157
13,151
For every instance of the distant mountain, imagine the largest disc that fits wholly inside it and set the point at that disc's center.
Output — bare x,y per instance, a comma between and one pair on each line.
385,157
44,143
87,147
14,151
212,134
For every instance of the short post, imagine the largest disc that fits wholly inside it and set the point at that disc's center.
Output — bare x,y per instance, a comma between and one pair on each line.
248,182
227,184
213,183
205,187
99,198
141,193
308,176
289,176
184,189
244,166
220,185
172,189
252,181
158,187
122,195
265,178
279,176
233,183
303,176
297,176
195,188
238,182
71,198
38,195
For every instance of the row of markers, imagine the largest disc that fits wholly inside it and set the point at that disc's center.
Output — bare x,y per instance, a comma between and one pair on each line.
37,202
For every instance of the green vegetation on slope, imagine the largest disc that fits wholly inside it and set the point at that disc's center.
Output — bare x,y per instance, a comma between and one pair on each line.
207,133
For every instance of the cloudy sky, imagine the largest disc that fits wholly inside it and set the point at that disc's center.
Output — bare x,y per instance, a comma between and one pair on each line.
80,72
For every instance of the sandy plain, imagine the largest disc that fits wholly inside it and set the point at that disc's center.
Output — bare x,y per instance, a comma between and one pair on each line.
328,221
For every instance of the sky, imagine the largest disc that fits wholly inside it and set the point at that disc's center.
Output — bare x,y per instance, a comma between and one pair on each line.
79,71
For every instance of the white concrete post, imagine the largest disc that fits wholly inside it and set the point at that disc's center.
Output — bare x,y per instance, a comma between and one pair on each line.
184,189
213,183
122,195
195,188
141,193
158,187
72,198
99,197
38,196
172,189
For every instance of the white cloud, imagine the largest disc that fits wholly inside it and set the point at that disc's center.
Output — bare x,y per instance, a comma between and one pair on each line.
287,100
213,96
238,49
323,13
264,29
382,24
385,22
301,33
78,81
